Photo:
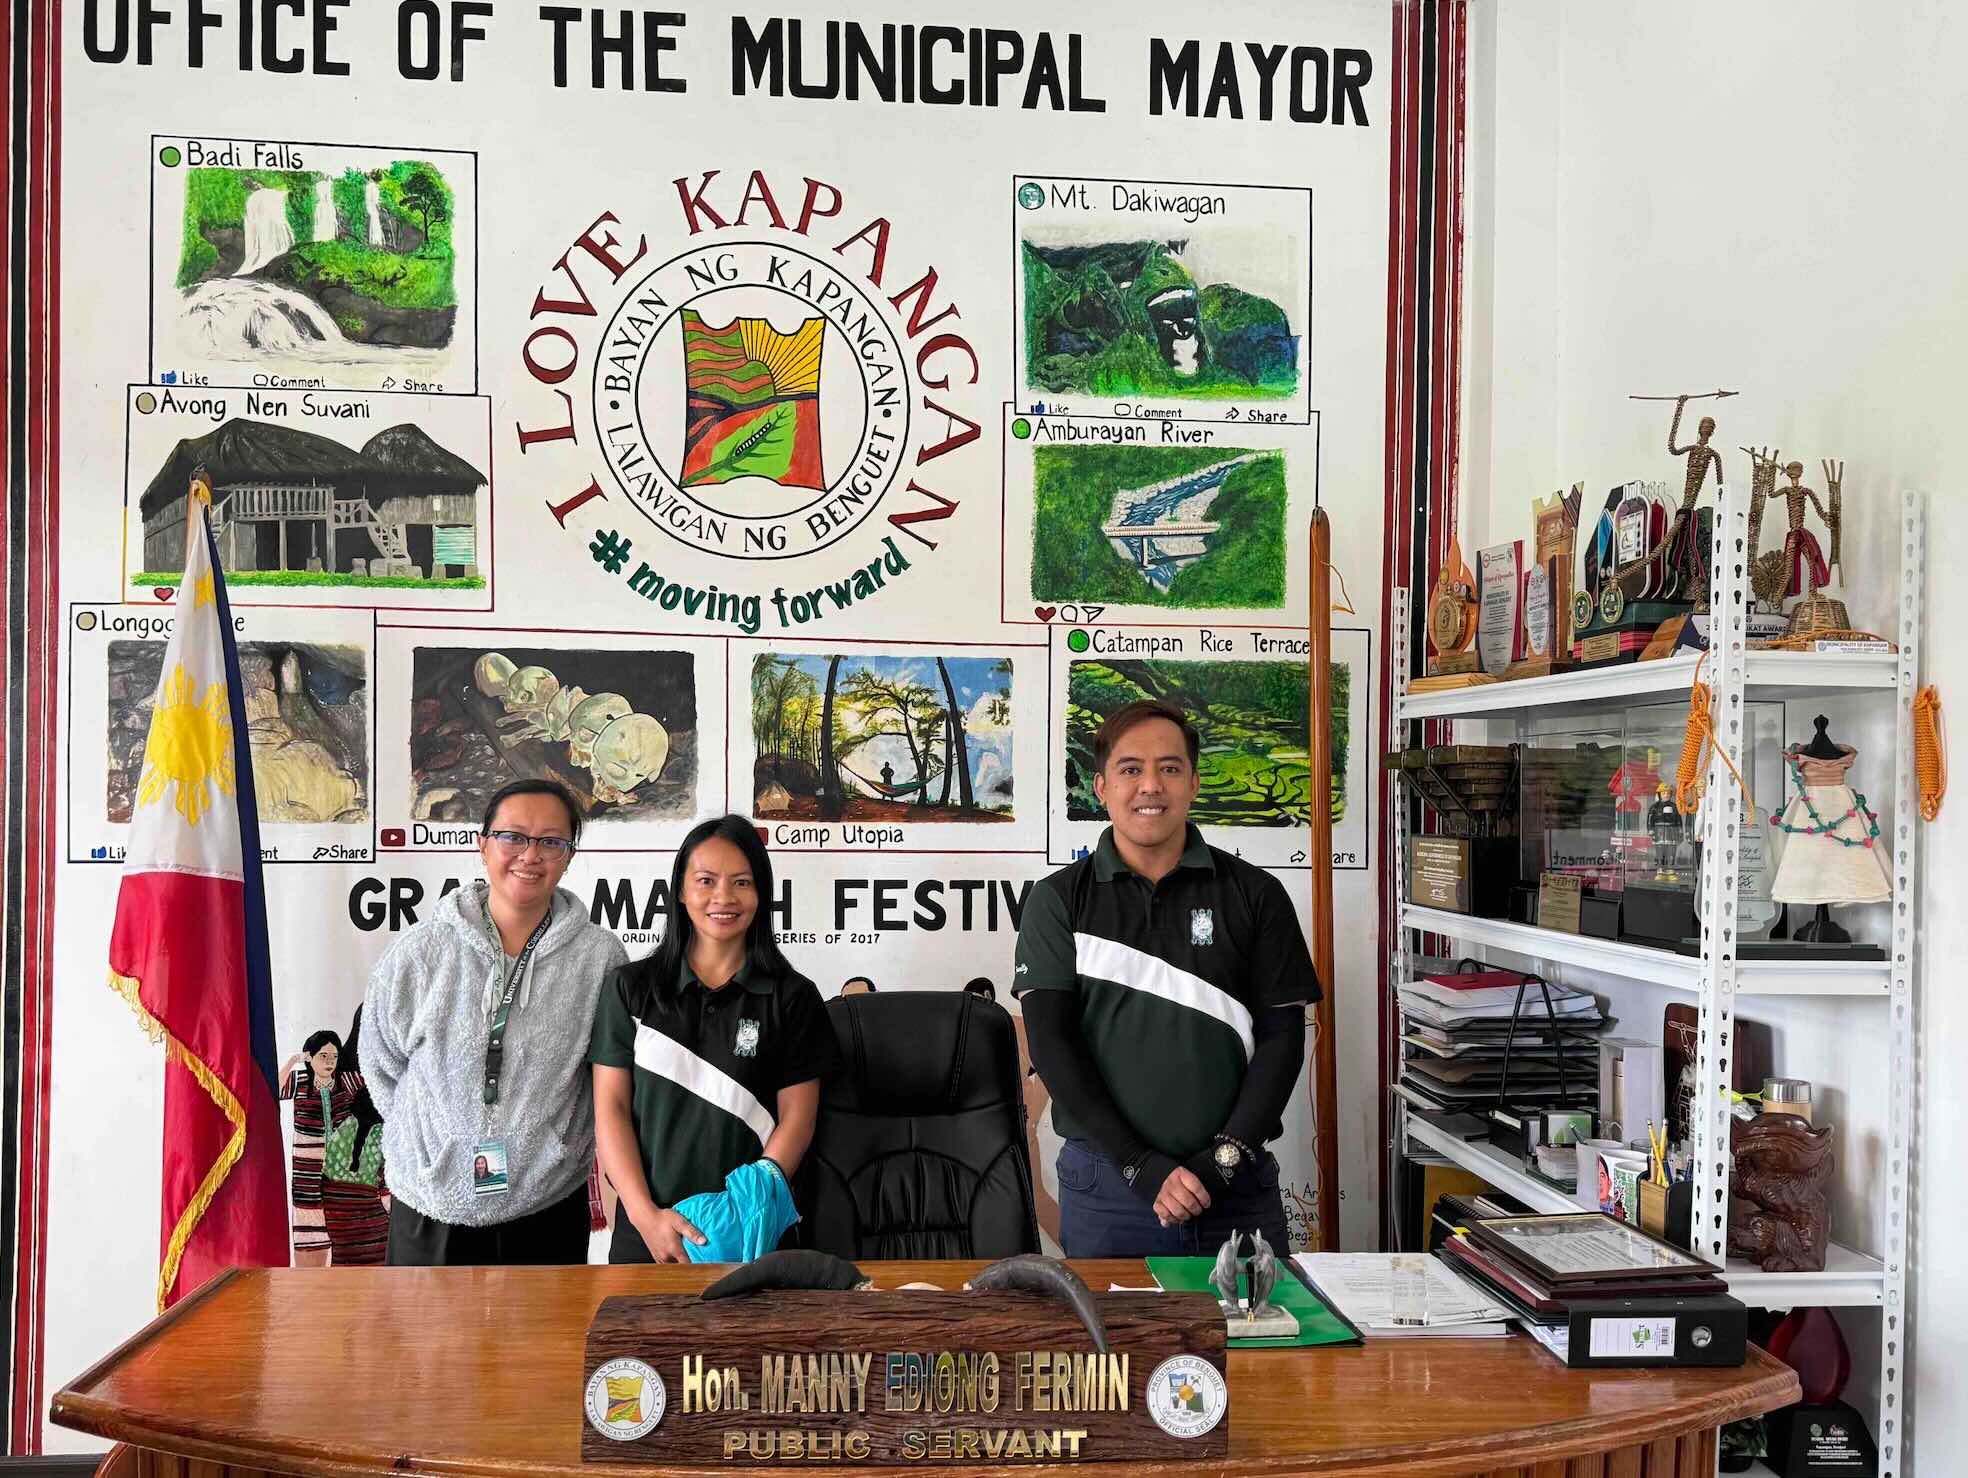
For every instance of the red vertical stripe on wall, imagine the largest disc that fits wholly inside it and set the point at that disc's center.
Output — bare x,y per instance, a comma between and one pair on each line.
1425,163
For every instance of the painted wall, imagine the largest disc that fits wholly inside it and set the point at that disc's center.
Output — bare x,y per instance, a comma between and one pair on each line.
1677,197
501,263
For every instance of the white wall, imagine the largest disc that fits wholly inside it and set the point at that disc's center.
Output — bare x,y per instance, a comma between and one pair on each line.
1677,196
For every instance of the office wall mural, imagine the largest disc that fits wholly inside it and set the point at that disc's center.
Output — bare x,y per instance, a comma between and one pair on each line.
826,423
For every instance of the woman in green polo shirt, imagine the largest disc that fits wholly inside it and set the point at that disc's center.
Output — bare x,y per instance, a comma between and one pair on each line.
708,1053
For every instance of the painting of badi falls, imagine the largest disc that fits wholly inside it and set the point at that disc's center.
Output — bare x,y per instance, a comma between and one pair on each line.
617,727
315,266
1197,294
882,738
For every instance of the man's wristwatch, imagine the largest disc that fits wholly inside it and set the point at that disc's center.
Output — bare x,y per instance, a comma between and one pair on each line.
1228,1156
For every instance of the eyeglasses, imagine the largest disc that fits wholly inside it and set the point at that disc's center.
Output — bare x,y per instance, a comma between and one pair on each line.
513,843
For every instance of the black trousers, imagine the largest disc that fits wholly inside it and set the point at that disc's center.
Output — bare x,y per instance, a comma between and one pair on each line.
554,1236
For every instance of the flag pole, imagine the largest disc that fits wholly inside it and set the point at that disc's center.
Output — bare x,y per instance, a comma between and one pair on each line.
1325,1096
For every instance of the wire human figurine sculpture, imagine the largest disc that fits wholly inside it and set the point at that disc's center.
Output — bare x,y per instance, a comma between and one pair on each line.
1801,566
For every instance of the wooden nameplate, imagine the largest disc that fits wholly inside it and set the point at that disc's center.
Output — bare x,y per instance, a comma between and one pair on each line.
912,1376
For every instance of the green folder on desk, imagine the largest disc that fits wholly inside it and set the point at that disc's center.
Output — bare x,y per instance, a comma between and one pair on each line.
1319,1323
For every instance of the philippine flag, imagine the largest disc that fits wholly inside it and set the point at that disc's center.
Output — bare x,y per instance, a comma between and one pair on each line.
189,946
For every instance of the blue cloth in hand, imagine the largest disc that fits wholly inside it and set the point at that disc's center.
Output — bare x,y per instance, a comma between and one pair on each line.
744,1220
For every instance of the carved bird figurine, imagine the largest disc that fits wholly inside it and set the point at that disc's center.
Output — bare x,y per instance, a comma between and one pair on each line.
1223,1277
1263,1274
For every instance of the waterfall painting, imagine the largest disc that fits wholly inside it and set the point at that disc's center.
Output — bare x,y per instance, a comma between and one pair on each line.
1189,293
1253,719
858,736
314,266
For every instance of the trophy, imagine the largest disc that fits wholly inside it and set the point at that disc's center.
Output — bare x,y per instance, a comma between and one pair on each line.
1452,616
1547,603
1800,566
1259,1318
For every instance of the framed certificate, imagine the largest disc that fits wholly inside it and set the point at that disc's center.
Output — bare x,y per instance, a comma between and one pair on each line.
1586,1247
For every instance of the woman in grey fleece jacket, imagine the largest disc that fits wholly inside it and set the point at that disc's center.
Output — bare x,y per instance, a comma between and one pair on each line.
474,1183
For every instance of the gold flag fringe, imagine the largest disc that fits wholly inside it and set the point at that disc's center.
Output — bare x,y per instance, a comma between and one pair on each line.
128,987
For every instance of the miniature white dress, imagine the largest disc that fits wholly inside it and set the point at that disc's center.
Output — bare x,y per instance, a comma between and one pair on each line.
1827,841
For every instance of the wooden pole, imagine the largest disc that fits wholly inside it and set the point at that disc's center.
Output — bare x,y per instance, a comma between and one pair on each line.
1325,1098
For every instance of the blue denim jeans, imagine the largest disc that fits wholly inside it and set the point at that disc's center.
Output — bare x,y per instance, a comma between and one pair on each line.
1101,1216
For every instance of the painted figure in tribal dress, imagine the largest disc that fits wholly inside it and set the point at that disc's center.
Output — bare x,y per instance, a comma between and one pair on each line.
340,1216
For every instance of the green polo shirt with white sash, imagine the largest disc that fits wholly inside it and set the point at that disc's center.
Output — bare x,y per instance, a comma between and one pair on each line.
1168,976
707,1068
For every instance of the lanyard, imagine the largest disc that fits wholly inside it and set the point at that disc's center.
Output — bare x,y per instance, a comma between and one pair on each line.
495,1043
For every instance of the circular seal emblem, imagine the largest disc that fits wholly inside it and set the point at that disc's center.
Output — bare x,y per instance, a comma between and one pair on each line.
625,1400
1186,1396
1031,196
1612,604
1581,609
752,400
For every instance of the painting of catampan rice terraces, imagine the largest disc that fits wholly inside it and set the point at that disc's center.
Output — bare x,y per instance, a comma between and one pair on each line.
1254,721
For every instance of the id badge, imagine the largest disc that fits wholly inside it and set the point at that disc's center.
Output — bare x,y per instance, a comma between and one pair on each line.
489,1168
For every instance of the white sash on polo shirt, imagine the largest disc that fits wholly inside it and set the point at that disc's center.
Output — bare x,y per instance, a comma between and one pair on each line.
671,1061
1109,959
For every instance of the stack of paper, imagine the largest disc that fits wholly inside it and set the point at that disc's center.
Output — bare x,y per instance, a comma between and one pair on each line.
1455,1028
1361,1286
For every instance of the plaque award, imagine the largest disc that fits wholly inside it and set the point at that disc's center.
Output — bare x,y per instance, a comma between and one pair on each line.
1547,602
1499,631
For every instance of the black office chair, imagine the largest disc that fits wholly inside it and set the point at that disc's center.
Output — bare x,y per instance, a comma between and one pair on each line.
919,1151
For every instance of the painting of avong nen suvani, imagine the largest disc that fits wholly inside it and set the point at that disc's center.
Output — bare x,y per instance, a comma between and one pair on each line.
1186,527
882,738
1253,718
1136,318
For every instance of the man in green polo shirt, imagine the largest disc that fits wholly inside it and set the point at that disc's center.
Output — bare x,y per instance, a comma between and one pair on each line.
1163,984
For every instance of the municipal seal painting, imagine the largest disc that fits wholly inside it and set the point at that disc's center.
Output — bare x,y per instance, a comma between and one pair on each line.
625,1400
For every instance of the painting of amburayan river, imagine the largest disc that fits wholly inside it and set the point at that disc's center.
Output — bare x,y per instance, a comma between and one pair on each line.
1186,527
1253,718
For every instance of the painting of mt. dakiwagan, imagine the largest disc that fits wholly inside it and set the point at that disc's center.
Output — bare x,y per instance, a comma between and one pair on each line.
1254,720
349,266
1131,318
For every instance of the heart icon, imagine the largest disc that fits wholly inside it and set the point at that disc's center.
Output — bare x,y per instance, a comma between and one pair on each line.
1045,613
164,592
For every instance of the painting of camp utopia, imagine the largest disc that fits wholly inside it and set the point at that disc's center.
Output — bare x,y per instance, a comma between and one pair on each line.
1196,294
318,496
888,738
312,266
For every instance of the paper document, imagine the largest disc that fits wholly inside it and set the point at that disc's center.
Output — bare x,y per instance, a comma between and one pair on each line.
1362,1285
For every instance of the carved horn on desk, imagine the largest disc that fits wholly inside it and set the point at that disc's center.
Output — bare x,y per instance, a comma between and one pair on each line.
794,1267
1031,1272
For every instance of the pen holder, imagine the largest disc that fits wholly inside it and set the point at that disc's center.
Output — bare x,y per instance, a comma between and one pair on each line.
1653,1208
1667,1211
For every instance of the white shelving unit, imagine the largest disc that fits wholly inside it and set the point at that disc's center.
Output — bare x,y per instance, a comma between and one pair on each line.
1851,1278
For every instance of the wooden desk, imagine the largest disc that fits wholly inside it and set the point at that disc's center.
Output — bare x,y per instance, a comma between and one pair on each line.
478,1371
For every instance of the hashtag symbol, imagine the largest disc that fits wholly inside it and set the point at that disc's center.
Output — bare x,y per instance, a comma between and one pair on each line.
610,551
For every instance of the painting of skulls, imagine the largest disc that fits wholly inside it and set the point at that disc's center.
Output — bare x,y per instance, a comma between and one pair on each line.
617,727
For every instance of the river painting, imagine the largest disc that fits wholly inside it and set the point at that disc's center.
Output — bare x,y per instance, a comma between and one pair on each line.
1183,527
1252,716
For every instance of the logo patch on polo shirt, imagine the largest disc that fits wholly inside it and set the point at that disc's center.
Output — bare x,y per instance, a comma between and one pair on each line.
1202,926
748,1039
